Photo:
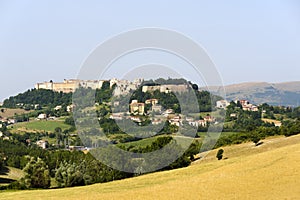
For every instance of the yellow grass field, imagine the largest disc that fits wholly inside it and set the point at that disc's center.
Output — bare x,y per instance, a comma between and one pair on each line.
271,121
269,171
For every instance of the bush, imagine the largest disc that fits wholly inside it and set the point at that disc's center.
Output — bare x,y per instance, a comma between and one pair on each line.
220,154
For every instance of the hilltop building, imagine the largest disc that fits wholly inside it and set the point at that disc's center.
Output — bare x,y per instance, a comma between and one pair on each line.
166,88
121,86
68,85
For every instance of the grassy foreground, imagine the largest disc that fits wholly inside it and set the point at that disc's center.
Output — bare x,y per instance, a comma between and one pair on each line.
269,171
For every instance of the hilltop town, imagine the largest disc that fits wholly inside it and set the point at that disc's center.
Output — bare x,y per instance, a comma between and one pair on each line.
41,122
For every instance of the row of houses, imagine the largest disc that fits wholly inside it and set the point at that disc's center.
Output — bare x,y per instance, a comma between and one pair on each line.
202,122
8,121
139,107
246,105
44,144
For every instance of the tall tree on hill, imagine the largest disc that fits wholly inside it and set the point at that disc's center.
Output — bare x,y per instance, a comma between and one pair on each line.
36,174
59,137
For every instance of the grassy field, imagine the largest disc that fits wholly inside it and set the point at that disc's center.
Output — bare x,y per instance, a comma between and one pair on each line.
38,126
269,171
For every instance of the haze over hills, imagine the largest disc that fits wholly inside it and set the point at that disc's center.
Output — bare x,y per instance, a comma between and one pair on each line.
285,94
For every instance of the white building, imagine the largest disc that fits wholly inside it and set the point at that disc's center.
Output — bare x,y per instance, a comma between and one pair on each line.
43,144
57,108
42,116
222,104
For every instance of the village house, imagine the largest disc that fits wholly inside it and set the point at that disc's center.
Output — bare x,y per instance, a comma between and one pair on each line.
57,108
42,116
277,124
198,123
250,107
135,119
247,106
166,88
176,121
70,108
116,116
193,123
202,123
233,115
137,108
156,121
43,144
222,104
151,101
76,148
52,118
3,120
168,112
156,108
11,121
243,102
189,119
116,103
5,137
209,119
37,106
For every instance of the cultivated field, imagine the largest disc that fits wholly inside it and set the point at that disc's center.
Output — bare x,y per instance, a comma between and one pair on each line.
269,171
7,112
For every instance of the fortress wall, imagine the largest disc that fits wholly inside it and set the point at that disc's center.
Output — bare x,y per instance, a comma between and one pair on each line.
65,87
165,88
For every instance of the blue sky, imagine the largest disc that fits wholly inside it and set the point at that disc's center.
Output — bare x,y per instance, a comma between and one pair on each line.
247,40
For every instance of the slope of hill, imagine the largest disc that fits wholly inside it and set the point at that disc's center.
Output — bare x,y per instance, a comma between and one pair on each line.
269,171
286,94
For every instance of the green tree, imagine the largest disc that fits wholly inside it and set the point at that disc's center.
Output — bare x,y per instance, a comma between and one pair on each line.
36,174
59,136
69,174
255,137
220,154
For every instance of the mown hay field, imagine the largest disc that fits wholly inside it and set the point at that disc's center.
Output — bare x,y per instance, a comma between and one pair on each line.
269,171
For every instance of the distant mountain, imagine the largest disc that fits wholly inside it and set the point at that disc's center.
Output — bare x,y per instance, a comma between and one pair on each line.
285,94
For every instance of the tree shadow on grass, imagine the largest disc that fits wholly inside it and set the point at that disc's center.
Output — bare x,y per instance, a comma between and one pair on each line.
259,143
6,180
4,171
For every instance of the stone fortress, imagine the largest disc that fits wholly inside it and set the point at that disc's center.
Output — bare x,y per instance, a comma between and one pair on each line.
122,87
67,86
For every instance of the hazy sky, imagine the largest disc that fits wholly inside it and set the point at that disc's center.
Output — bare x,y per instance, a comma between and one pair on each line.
49,40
